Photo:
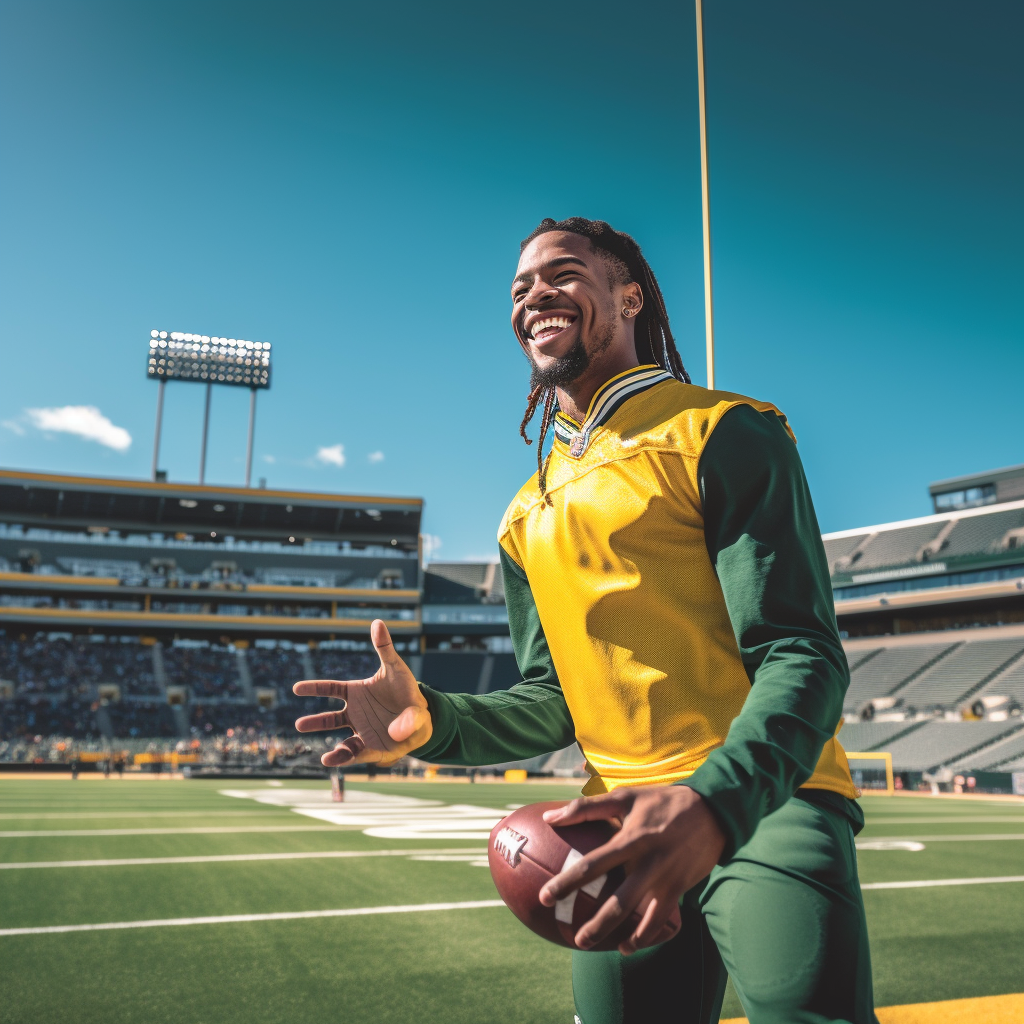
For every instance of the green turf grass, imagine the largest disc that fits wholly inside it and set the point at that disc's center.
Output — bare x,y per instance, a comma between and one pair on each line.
463,967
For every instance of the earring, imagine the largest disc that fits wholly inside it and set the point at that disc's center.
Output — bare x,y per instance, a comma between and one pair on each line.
628,311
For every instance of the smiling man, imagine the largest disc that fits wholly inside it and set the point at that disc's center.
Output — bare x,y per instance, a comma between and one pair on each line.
671,612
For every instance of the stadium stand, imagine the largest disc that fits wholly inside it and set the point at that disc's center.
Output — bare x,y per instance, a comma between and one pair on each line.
935,744
278,668
952,679
890,668
143,589
989,533
868,736
30,716
1010,683
208,671
1006,748
141,719
894,547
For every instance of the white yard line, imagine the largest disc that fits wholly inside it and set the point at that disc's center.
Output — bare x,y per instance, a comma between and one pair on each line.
452,854
210,830
878,819
173,922
255,813
929,882
949,838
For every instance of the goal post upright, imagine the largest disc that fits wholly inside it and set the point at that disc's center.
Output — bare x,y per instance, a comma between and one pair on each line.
877,755
709,316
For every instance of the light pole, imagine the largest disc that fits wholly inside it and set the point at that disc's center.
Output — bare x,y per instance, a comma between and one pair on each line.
709,316
201,359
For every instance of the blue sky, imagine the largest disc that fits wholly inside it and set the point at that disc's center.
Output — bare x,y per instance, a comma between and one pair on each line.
350,184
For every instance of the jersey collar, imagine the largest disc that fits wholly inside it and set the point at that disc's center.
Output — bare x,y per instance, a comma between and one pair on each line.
606,401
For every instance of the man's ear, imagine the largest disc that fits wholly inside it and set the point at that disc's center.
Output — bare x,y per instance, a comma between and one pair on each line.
632,299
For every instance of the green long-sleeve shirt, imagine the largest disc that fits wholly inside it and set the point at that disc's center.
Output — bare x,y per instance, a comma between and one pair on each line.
762,537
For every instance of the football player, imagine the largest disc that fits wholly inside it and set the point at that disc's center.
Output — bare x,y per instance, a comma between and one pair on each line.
671,612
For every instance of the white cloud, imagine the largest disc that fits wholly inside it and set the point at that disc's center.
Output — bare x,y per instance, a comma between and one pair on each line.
431,545
375,457
84,421
270,459
14,426
331,455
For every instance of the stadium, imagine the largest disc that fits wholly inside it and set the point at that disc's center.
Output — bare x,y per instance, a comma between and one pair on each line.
155,615
151,632
183,838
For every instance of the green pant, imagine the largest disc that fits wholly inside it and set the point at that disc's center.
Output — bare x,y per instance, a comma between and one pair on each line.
784,918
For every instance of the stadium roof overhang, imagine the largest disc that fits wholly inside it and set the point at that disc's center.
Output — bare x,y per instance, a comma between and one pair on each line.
72,620
969,593
80,503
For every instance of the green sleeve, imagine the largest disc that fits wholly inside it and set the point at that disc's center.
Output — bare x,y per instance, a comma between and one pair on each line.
763,539
528,719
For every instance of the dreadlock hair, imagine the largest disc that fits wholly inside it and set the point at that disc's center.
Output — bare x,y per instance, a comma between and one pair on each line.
651,331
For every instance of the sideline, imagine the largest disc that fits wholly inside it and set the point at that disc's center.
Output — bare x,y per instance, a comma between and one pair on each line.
982,1010
300,915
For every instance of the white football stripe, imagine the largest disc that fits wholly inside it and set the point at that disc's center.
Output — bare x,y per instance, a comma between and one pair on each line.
564,908
174,922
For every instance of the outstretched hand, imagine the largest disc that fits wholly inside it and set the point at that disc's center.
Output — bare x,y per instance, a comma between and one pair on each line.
669,841
387,713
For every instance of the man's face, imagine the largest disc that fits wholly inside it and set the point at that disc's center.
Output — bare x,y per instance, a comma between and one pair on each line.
564,308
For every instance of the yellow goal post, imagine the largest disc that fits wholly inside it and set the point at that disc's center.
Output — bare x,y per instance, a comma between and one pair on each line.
876,755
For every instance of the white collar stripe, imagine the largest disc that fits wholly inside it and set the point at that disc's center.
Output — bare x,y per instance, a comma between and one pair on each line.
614,394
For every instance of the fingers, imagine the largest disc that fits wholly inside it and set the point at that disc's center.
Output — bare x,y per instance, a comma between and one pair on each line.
612,912
606,807
408,723
661,920
325,721
346,752
321,688
598,862
381,640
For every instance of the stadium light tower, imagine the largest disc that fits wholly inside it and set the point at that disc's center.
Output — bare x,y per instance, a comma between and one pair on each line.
200,359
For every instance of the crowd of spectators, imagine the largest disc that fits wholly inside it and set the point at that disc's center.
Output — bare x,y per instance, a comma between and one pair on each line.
207,671
60,666
146,719
52,685
277,668
31,716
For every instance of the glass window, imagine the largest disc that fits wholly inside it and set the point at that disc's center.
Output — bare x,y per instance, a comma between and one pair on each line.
971,497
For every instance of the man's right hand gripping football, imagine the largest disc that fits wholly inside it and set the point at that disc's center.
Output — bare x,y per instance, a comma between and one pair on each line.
387,713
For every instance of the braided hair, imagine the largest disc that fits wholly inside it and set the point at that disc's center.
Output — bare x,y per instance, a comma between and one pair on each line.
651,331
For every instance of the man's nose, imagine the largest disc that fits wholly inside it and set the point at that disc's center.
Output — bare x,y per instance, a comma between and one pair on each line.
540,292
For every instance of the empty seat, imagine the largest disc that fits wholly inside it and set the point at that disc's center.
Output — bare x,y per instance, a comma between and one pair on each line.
883,673
946,683
941,743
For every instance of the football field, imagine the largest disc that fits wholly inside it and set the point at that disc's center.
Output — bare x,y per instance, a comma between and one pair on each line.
214,902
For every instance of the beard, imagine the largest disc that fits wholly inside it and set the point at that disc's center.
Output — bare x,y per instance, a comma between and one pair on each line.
570,367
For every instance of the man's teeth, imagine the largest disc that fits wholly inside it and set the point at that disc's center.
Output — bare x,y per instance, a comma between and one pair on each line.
560,322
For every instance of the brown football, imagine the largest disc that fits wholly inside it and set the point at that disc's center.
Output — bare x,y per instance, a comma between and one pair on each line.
524,852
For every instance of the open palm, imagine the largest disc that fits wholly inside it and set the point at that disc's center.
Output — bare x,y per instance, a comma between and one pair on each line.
387,713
